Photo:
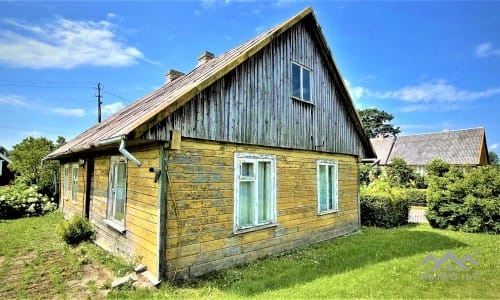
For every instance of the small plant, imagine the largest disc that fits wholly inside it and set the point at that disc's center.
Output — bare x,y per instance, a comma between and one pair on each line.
76,230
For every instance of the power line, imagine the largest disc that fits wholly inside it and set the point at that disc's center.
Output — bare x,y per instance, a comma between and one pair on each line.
118,96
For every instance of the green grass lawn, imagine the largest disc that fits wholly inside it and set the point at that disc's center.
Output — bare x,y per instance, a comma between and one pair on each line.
35,263
375,263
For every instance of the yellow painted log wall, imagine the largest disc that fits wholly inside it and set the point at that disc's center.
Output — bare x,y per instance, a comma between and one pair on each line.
200,234
139,241
67,206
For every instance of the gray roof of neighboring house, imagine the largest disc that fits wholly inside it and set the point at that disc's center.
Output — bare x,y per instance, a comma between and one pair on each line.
4,157
383,147
456,147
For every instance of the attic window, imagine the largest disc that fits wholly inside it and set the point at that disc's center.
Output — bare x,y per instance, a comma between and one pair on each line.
301,82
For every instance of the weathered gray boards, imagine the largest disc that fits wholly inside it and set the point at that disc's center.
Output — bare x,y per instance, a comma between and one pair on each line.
252,105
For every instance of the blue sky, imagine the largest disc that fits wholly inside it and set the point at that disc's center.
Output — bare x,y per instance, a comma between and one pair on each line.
433,65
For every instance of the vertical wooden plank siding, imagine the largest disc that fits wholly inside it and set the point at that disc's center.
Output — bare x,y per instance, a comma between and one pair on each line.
200,234
252,104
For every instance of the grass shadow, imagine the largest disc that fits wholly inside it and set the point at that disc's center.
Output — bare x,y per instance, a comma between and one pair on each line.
337,256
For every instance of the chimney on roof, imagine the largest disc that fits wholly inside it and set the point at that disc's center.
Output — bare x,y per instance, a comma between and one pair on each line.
204,57
173,75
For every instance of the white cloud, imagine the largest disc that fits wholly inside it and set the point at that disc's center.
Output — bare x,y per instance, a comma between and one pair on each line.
486,49
34,133
494,146
65,44
356,92
12,100
436,95
112,108
71,112
197,12
438,90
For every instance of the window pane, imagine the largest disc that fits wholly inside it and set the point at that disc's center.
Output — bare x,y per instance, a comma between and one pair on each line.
120,191
306,84
331,182
247,169
323,188
296,81
75,184
264,195
245,205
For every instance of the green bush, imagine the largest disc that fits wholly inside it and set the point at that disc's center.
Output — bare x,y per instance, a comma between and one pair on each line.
416,196
20,200
467,201
399,173
76,230
383,206
367,173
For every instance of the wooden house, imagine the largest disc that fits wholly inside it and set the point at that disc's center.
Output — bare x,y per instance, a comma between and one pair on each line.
6,176
251,153
465,147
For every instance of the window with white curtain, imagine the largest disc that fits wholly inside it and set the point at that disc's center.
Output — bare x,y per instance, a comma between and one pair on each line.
117,190
255,190
327,186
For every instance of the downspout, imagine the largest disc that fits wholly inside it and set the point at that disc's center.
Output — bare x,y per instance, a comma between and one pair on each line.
123,144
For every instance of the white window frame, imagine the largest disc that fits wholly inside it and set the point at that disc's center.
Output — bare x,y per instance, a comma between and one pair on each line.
302,68
239,159
65,181
331,189
74,182
110,220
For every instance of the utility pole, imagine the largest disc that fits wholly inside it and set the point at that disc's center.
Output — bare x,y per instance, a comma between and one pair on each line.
99,102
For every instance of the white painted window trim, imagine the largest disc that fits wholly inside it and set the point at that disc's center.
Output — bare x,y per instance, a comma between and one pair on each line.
74,182
110,220
240,158
65,181
1,166
328,163
301,98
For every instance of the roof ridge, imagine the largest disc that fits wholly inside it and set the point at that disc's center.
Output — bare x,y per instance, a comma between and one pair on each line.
441,132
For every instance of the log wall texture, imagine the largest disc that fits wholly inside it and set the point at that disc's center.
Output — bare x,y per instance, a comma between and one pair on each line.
200,236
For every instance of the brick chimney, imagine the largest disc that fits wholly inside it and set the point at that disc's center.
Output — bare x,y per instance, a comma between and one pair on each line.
204,57
173,75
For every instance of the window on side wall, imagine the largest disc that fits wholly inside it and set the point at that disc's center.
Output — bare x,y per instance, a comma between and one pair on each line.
74,183
65,182
301,83
117,193
255,191
327,186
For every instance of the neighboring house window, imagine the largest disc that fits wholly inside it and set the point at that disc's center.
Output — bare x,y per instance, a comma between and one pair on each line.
74,186
301,82
255,190
327,186
117,190
66,182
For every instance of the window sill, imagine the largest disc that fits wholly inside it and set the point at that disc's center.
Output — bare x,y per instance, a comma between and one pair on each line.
255,228
118,227
302,100
327,212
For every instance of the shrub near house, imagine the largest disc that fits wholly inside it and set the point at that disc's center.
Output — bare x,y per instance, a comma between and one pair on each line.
466,201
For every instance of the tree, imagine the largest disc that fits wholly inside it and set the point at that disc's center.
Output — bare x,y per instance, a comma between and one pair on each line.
493,157
377,122
27,162
399,173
